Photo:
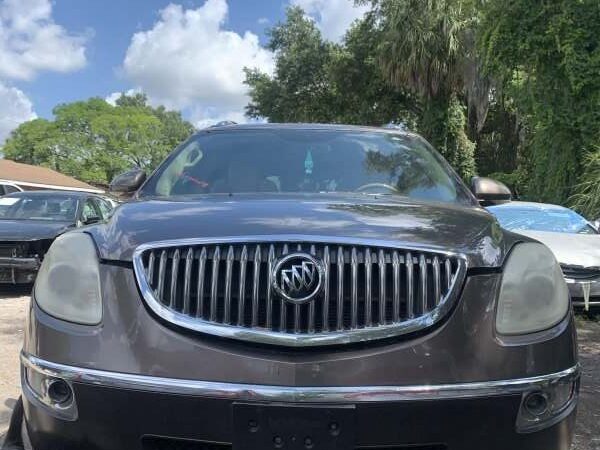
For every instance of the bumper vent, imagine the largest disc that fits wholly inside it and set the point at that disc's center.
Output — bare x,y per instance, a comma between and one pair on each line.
368,291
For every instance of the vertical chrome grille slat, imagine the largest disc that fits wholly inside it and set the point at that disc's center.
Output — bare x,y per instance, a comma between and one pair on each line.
382,281
187,280
368,291
256,285
214,284
423,283
151,262
242,286
368,299
201,277
448,265
174,275
396,298
354,300
326,264
410,301
340,288
228,285
283,306
437,287
311,305
162,267
270,263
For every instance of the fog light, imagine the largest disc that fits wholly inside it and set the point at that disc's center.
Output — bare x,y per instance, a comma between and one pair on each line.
536,404
59,391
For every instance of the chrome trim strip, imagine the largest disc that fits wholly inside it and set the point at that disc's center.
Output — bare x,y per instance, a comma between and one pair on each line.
20,263
327,394
326,337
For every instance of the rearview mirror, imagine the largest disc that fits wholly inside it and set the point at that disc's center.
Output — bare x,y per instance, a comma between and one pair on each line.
489,191
128,182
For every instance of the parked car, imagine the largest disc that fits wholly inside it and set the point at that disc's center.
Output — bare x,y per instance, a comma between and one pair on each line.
8,188
574,241
300,287
30,221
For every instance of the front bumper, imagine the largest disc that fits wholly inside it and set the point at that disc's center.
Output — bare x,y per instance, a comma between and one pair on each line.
111,410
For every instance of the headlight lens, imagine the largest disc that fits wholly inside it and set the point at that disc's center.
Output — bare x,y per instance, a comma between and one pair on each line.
533,295
68,283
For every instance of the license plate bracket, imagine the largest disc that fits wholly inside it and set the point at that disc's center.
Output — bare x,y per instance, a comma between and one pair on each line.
310,427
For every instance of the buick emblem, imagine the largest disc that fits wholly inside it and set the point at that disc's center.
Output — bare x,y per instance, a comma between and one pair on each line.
298,277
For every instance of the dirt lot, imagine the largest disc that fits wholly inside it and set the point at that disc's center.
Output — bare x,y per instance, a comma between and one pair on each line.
13,306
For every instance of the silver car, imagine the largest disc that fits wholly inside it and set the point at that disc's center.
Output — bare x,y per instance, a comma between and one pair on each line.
574,241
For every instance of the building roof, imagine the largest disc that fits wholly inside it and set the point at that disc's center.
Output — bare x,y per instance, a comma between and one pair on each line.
40,177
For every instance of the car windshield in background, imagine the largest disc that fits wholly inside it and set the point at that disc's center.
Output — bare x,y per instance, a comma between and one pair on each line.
554,219
55,208
307,161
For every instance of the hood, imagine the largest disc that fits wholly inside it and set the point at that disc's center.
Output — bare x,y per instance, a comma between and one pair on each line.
570,249
31,230
468,230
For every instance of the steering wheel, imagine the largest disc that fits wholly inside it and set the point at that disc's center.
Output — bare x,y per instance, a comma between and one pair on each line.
372,186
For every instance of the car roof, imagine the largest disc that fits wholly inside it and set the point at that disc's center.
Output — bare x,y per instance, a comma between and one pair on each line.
46,194
306,127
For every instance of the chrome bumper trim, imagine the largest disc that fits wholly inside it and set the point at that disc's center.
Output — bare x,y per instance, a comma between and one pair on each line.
293,394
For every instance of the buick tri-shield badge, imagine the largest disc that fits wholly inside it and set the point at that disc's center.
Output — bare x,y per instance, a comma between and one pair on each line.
298,277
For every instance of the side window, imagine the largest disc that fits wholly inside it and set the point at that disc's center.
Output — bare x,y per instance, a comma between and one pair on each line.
10,189
106,208
3,190
89,211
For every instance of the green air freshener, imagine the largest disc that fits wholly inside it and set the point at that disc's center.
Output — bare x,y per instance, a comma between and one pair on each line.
308,163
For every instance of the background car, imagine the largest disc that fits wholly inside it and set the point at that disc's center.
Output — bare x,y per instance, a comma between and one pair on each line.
30,221
574,241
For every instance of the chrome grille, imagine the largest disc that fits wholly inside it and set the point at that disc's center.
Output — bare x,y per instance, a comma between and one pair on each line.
370,290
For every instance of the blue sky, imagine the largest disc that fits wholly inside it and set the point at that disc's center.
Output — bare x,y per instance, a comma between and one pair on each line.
186,54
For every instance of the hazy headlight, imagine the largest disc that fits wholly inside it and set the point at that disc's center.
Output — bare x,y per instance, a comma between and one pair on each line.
68,283
533,295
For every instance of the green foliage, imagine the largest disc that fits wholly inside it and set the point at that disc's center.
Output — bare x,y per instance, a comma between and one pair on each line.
318,81
587,196
94,141
547,55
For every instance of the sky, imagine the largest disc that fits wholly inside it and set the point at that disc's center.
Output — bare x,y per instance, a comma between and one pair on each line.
188,55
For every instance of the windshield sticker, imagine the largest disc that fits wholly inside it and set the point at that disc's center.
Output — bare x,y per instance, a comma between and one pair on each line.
8,201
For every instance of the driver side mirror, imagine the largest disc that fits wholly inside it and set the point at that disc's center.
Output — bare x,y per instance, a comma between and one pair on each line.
128,182
489,191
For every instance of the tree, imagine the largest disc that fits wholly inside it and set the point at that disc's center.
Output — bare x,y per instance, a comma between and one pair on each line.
318,81
547,57
427,47
94,141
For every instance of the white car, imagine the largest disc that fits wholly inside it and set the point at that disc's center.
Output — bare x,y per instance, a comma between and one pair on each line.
8,188
574,241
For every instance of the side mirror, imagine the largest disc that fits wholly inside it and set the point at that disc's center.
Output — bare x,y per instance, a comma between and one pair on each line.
92,219
490,192
128,182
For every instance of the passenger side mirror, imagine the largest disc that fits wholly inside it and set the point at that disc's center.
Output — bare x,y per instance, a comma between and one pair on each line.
489,191
128,182
92,219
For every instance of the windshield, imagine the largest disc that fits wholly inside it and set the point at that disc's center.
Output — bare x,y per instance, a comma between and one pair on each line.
55,208
307,161
535,218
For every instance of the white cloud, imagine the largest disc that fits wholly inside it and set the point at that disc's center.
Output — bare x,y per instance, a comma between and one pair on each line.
112,98
15,108
189,60
30,41
333,17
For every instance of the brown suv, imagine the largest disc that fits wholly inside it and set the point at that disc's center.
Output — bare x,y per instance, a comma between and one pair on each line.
300,287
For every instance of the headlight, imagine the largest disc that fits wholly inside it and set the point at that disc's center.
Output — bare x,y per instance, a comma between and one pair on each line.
68,283
533,295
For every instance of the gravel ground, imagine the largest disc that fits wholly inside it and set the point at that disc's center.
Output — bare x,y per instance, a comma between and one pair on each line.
13,306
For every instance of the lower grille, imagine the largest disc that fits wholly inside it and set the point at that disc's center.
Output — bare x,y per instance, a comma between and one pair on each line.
369,291
580,273
12,249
